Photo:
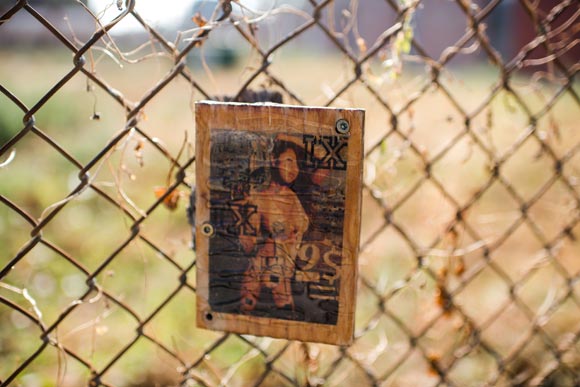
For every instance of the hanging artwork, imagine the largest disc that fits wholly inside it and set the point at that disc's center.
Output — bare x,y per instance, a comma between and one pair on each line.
278,219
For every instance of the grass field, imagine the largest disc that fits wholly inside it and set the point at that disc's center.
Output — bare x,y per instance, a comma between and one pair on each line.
90,229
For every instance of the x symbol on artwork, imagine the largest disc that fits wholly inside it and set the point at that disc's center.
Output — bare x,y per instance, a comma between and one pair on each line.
333,145
243,213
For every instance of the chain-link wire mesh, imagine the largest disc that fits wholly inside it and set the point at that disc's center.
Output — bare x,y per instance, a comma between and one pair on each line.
469,264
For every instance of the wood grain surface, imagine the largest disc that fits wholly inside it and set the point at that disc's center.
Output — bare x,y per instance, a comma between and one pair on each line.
278,219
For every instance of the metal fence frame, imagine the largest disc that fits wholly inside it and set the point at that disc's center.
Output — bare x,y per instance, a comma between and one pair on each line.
475,18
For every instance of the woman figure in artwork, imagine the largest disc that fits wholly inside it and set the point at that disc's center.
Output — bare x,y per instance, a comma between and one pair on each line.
280,223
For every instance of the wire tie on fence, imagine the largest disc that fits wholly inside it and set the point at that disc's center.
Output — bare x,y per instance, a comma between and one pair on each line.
180,175
394,121
183,278
495,169
95,381
84,177
132,120
91,283
317,13
421,261
79,61
435,71
29,120
427,169
388,216
381,305
36,235
45,339
136,228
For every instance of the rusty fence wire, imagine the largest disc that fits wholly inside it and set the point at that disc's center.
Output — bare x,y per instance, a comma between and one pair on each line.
469,263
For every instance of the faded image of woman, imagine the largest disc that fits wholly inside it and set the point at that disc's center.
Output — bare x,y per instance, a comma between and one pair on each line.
280,223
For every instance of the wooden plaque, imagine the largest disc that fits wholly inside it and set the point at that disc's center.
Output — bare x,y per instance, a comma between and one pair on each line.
278,219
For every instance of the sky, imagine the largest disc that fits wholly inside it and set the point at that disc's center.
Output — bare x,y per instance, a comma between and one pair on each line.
159,13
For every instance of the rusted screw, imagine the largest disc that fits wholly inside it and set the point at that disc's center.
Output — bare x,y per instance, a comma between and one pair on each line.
342,126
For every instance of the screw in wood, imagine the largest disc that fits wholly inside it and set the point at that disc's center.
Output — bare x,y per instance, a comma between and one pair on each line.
342,126
207,229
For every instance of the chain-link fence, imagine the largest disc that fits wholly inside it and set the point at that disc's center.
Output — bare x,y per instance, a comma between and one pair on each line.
469,264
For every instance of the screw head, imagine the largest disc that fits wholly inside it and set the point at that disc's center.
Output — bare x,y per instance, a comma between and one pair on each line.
342,126
207,229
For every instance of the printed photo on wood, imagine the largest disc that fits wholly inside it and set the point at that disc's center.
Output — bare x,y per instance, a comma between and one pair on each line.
278,218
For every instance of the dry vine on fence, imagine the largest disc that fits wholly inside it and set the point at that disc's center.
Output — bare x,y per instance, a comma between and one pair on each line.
469,264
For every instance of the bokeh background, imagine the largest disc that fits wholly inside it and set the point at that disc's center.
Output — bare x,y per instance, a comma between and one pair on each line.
469,264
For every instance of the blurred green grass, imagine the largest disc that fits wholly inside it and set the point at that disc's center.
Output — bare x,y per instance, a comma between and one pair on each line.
90,229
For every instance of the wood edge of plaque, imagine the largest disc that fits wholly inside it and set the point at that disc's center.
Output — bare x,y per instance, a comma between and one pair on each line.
231,115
